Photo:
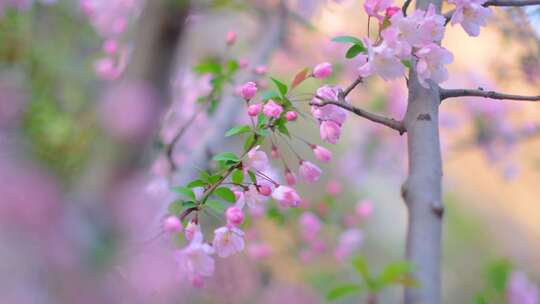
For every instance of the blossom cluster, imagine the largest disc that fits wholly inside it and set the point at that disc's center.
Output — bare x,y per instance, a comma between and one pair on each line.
405,40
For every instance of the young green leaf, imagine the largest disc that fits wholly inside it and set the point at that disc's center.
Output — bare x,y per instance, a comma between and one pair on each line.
342,291
196,183
188,204
226,194
216,206
280,86
395,272
226,156
238,130
355,50
252,176
361,267
184,191
237,176
347,39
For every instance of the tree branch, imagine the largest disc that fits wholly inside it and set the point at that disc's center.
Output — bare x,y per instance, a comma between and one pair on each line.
389,122
450,93
405,7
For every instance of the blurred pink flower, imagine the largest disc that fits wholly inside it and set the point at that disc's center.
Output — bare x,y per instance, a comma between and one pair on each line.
228,241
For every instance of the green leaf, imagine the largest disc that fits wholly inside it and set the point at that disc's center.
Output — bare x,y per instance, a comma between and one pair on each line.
209,65
196,183
271,94
249,142
237,176
214,178
188,204
355,50
281,86
216,206
361,267
232,66
204,175
283,130
226,194
184,191
396,272
347,39
498,274
406,63
342,291
238,130
226,156
261,121
252,176
175,207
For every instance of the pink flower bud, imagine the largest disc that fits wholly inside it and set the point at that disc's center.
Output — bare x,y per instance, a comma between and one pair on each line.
286,196
330,131
275,152
364,209
243,63
119,25
309,171
333,187
265,190
191,230
197,281
261,70
248,90
234,215
254,109
110,46
291,116
322,70
172,224
391,11
290,178
322,154
230,38
272,109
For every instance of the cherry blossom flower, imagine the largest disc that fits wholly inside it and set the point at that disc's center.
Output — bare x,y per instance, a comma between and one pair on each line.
272,109
322,70
172,224
228,241
310,226
382,60
291,116
322,154
195,260
374,7
349,241
248,90
330,131
253,199
471,15
254,109
308,171
431,61
230,38
257,159
521,291
290,178
192,231
286,196
234,216
364,209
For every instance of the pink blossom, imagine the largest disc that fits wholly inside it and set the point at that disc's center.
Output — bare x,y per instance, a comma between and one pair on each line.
243,63
265,190
272,109
374,7
248,90
253,199
192,231
322,70
275,152
333,187
391,11
431,61
257,159
261,69
330,131
230,38
408,26
291,116
322,154
383,61
286,196
364,209
110,46
310,226
308,171
328,112
520,290
172,224
290,178
228,241
431,26
195,260
234,216
471,15
254,109
349,241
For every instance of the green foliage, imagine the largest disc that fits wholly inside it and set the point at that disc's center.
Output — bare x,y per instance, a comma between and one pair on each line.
496,276
185,191
354,50
227,157
237,176
237,130
407,63
270,94
216,206
347,39
282,88
226,194
343,291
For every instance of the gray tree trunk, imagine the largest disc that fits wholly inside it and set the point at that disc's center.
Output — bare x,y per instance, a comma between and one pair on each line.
422,190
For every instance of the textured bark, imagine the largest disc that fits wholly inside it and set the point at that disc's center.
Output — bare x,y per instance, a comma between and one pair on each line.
422,190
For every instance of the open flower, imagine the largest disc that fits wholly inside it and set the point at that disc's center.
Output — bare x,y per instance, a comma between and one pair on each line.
471,15
286,196
310,172
257,159
272,109
228,241
431,61
330,131
195,260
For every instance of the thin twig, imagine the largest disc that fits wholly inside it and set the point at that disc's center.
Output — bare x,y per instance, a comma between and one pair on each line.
389,122
405,7
353,85
446,93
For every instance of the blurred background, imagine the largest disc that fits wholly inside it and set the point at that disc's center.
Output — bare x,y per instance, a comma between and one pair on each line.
94,95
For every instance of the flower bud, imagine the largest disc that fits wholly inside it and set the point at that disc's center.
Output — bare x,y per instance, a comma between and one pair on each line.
230,38
291,116
322,154
172,224
265,190
234,215
248,90
272,109
322,70
254,109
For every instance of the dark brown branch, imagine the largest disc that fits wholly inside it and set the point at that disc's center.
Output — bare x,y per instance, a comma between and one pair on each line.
445,93
405,7
389,122
353,85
